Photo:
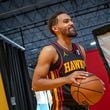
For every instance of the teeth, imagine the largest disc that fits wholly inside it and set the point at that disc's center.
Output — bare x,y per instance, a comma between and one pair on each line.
71,29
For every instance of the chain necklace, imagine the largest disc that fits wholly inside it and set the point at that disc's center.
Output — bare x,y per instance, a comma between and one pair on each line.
65,47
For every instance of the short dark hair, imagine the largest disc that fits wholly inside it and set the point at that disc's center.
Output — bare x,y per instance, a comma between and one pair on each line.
53,20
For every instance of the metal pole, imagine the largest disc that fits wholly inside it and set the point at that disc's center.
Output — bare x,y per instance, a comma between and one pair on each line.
11,42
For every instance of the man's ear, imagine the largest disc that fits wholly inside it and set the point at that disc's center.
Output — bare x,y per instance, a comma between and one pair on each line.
55,29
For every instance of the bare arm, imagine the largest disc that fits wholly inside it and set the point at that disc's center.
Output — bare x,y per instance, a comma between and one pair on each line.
39,82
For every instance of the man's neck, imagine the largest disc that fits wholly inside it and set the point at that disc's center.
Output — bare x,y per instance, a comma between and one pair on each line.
65,43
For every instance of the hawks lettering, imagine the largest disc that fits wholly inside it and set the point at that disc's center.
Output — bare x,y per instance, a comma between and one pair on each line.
74,65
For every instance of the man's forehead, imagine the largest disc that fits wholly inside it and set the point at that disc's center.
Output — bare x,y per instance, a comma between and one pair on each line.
63,16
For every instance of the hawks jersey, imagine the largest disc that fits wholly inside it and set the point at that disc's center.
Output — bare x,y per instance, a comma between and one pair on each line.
67,63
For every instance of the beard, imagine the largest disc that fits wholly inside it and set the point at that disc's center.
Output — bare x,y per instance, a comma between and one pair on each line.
70,33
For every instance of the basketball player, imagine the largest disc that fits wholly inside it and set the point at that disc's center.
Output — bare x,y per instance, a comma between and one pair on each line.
60,64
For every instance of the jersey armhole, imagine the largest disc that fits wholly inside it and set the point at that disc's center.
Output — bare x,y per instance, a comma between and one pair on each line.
57,65
79,48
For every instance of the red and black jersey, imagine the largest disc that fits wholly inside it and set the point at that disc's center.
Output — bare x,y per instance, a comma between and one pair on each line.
67,63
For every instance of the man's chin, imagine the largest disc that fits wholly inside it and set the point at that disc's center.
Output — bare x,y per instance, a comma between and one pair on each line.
72,35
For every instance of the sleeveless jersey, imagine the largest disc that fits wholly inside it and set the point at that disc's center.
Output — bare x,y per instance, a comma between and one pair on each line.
67,63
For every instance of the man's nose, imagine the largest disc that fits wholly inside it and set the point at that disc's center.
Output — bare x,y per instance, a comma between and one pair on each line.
71,23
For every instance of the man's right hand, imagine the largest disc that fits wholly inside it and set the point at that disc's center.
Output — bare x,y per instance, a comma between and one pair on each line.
72,78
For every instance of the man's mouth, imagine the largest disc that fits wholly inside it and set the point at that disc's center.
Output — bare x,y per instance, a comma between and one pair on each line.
71,29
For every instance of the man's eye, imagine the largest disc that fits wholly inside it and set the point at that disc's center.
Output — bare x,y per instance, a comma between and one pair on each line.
66,21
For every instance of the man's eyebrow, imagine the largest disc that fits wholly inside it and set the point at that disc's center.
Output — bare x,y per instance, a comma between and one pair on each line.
67,19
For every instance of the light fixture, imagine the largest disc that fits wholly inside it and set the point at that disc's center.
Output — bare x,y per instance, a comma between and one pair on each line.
93,43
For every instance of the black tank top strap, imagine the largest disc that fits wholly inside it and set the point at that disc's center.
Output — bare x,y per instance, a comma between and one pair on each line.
77,49
59,62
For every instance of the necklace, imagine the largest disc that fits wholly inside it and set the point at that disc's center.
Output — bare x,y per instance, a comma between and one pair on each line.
69,49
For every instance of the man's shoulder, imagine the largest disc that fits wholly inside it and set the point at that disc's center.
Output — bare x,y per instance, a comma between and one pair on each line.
48,48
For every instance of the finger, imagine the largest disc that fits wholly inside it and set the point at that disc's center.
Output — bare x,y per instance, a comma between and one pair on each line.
102,82
83,74
104,88
80,77
76,82
86,72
